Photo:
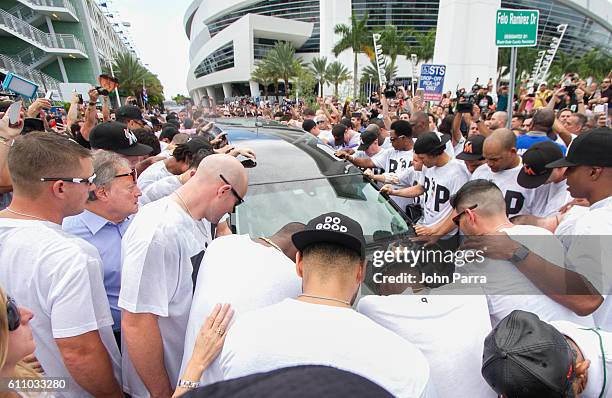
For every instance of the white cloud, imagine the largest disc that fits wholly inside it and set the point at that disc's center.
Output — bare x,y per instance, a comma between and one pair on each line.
159,36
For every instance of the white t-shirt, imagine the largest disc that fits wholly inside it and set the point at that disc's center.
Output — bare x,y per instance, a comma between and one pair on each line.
59,277
554,196
508,289
394,161
294,333
387,143
440,183
159,189
519,200
409,178
565,229
158,250
154,172
243,273
448,329
590,253
591,347
459,147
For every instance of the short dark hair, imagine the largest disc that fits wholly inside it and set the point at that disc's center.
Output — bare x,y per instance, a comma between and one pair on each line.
338,130
308,112
378,122
199,156
168,132
37,155
544,118
582,119
519,116
188,123
479,190
147,137
330,257
446,125
347,122
402,127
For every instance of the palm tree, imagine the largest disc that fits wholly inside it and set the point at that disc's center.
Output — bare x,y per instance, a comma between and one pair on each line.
131,75
426,43
394,42
318,67
263,75
336,74
595,64
281,60
370,72
354,37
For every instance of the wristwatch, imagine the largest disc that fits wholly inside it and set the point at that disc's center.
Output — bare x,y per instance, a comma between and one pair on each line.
188,384
520,254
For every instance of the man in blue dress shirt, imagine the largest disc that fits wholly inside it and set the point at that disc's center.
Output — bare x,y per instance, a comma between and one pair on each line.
106,217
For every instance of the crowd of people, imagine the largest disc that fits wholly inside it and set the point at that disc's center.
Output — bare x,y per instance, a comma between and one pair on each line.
120,272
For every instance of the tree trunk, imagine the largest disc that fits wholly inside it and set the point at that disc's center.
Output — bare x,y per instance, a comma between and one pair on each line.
286,87
355,79
336,89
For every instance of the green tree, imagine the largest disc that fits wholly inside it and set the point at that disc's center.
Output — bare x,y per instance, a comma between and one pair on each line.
318,66
355,37
370,72
131,75
394,42
180,98
264,76
425,45
594,63
305,82
282,62
525,60
336,74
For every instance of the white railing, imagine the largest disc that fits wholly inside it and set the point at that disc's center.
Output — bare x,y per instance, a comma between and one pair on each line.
23,12
54,4
30,55
47,40
43,80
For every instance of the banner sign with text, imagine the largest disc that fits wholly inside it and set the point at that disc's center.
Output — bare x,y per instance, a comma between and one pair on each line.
432,81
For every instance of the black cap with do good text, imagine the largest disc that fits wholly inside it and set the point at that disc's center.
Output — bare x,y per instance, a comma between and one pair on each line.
332,228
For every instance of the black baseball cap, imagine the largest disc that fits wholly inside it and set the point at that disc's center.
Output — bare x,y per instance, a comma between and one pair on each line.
129,112
472,149
592,148
430,142
308,124
526,357
332,228
194,144
368,137
117,137
534,172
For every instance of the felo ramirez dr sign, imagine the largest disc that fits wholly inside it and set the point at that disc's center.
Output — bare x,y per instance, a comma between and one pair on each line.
516,28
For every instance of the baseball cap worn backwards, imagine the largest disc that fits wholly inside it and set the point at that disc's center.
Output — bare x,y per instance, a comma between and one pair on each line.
333,228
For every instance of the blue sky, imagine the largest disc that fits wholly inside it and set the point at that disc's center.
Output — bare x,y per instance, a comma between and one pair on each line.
159,36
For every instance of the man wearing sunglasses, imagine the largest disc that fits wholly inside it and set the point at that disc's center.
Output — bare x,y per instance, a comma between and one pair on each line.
480,210
57,275
162,250
106,218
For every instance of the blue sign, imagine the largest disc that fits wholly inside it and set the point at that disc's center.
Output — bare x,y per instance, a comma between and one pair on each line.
432,81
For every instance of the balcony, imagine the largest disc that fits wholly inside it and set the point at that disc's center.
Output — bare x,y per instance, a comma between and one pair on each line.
45,82
57,10
59,44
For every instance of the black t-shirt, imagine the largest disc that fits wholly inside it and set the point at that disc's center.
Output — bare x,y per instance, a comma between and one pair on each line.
81,140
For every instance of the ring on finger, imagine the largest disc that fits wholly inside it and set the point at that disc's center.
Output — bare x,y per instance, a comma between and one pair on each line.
220,331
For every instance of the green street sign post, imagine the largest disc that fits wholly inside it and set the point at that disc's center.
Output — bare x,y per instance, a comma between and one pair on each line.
515,28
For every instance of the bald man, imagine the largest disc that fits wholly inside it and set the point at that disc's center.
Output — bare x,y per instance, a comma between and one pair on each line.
420,125
498,120
540,131
161,251
502,167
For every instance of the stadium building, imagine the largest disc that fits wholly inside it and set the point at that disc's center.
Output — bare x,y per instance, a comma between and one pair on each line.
228,38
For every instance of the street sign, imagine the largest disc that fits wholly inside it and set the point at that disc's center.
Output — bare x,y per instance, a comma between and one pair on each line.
432,81
516,28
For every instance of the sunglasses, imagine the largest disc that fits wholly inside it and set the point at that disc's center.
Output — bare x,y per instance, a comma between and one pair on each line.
13,315
392,139
240,200
457,218
133,174
87,181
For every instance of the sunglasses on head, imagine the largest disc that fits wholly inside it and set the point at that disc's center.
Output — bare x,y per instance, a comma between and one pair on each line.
13,315
457,218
